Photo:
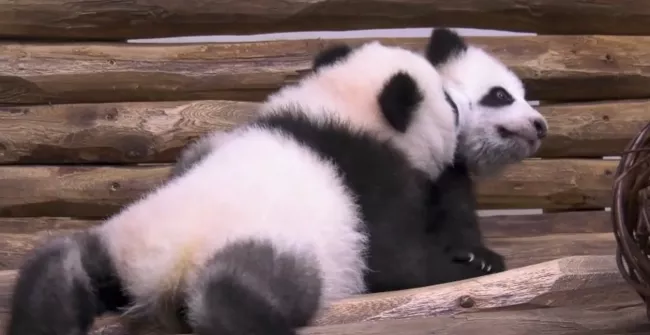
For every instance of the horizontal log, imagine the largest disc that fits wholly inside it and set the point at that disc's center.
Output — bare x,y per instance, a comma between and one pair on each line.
592,129
524,251
553,68
101,191
574,320
495,227
88,19
74,191
572,281
532,225
112,133
550,284
155,132
555,184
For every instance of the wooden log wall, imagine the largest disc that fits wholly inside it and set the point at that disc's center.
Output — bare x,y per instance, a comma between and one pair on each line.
556,68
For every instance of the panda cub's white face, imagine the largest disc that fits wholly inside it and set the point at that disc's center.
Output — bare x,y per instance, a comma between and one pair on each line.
501,127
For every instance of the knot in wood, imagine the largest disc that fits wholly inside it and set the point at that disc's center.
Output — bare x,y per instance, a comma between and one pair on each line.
115,186
111,115
466,301
608,58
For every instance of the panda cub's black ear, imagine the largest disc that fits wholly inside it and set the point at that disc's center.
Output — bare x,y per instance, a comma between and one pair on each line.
399,99
331,55
444,44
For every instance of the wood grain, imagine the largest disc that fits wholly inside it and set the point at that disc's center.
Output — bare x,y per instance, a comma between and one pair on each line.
553,68
576,320
532,225
155,132
550,183
112,132
74,190
592,129
549,284
82,191
524,251
111,20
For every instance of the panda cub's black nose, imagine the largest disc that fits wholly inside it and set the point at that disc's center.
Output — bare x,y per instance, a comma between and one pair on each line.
540,127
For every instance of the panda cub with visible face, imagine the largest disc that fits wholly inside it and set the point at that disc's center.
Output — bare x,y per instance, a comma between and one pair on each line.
273,224
498,127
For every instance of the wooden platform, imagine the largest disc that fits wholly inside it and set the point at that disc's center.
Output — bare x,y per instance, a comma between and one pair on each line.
89,123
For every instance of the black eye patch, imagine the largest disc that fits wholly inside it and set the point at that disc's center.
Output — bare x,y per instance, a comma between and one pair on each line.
497,96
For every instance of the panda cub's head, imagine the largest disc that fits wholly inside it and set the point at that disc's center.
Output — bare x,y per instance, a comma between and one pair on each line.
501,127
389,92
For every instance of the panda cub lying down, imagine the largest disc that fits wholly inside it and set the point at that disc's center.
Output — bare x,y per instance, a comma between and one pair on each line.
500,128
290,212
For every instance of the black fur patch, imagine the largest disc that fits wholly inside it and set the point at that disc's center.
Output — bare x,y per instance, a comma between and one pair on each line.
254,289
444,44
453,219
52,295
497,97
110,292
452,205
331,55
399,99
394,201
453,105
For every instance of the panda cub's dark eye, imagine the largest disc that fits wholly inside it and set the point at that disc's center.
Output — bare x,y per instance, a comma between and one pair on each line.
497,97
501,95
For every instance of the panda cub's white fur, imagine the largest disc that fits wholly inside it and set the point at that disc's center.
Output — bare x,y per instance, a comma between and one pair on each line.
342,93
276,221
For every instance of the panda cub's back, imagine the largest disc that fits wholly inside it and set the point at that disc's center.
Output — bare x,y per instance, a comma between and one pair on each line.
260,184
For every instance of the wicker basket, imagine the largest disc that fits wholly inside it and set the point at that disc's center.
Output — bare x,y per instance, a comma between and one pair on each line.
631,214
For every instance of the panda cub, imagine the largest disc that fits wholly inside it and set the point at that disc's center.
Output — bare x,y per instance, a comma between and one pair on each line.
260,234
499,129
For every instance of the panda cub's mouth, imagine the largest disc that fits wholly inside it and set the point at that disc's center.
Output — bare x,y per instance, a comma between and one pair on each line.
523,143
531,139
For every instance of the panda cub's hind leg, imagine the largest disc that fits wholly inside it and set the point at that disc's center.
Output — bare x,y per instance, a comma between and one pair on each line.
63,286
251,288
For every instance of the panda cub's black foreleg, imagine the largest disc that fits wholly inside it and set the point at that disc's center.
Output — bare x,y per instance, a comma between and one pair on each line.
63,286
251,288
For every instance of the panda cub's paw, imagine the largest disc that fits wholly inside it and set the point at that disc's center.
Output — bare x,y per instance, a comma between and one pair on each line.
481,258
